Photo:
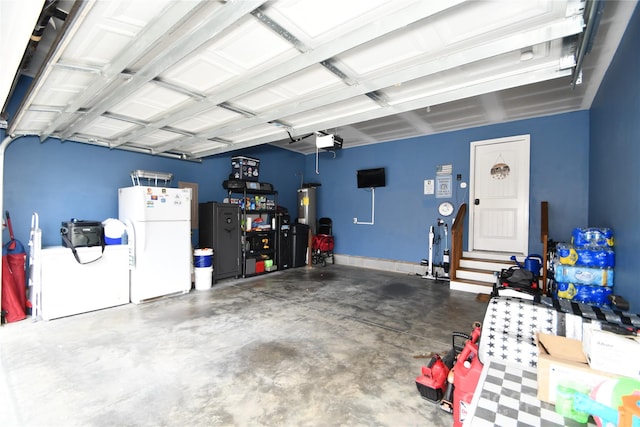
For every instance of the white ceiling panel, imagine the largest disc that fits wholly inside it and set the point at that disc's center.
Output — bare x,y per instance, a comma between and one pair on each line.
206,120
37,118
196,146
465,25
389,51
107,128
194,78
149,101
310,80
256,132
63,86
290,89
108,29
316,22
250,46
338,109
199,73
157,138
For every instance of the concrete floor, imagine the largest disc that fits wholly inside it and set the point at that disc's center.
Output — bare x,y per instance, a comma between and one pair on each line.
313,346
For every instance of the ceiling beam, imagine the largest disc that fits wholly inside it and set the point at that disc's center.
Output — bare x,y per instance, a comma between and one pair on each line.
76,16
142,43
175,50
457,56
464,88
256,80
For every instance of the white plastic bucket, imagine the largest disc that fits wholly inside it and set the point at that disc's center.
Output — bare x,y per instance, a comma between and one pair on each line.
203,258
203,278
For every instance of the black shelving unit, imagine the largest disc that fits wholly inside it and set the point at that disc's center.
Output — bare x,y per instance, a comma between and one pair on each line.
259,242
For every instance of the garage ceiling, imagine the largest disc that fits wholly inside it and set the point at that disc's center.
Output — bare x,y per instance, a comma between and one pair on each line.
191,79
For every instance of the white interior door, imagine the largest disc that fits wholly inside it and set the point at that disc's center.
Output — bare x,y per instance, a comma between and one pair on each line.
499,195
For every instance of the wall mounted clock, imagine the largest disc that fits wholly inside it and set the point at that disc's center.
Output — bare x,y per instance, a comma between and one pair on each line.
445,208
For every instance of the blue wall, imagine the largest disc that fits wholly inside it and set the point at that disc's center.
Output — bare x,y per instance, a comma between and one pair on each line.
63,180
614,199
559,174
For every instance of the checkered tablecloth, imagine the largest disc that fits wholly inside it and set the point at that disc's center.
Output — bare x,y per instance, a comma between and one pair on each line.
604,314
508,398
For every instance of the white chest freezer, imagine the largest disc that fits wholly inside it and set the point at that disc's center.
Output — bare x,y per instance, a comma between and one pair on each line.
71,288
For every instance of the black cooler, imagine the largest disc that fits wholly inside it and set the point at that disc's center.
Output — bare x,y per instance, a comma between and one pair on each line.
82,233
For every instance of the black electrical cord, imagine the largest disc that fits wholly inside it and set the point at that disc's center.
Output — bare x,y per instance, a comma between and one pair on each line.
298,139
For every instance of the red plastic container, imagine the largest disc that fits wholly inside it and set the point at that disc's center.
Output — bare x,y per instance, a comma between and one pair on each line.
259,266
466,373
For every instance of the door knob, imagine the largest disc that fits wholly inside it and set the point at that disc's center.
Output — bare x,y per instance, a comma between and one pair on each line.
476,202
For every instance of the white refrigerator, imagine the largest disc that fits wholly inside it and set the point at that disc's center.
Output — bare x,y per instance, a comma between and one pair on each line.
158,221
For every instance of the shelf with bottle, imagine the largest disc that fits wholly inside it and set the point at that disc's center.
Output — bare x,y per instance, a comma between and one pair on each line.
257,219
253,203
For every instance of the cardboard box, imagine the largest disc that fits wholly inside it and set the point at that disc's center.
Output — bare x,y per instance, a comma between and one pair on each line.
560,361
609,352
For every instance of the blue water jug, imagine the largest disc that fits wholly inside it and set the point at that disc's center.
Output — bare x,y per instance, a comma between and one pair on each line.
533,263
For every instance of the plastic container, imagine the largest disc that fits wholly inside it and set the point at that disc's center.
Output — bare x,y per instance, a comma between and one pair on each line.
584,275
203,258
592,236
259,266
466,374
587,256
114,230
586,294
203,278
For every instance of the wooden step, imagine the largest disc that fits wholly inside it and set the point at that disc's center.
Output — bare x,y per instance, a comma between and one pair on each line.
473,286
485,263
477,274
497,256
477,271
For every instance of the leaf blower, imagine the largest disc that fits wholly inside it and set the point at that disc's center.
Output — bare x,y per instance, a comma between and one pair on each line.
432,383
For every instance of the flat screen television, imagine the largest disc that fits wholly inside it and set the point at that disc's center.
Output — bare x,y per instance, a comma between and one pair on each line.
368,178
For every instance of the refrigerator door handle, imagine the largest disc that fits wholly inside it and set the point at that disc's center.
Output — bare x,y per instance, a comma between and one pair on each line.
132,239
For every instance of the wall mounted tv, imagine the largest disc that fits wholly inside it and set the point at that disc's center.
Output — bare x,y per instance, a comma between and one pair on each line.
368,178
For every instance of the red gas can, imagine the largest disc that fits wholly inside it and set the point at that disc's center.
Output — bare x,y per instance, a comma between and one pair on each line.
466,373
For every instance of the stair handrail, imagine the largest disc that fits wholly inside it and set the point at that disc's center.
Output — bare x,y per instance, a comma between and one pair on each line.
544,238
457,238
